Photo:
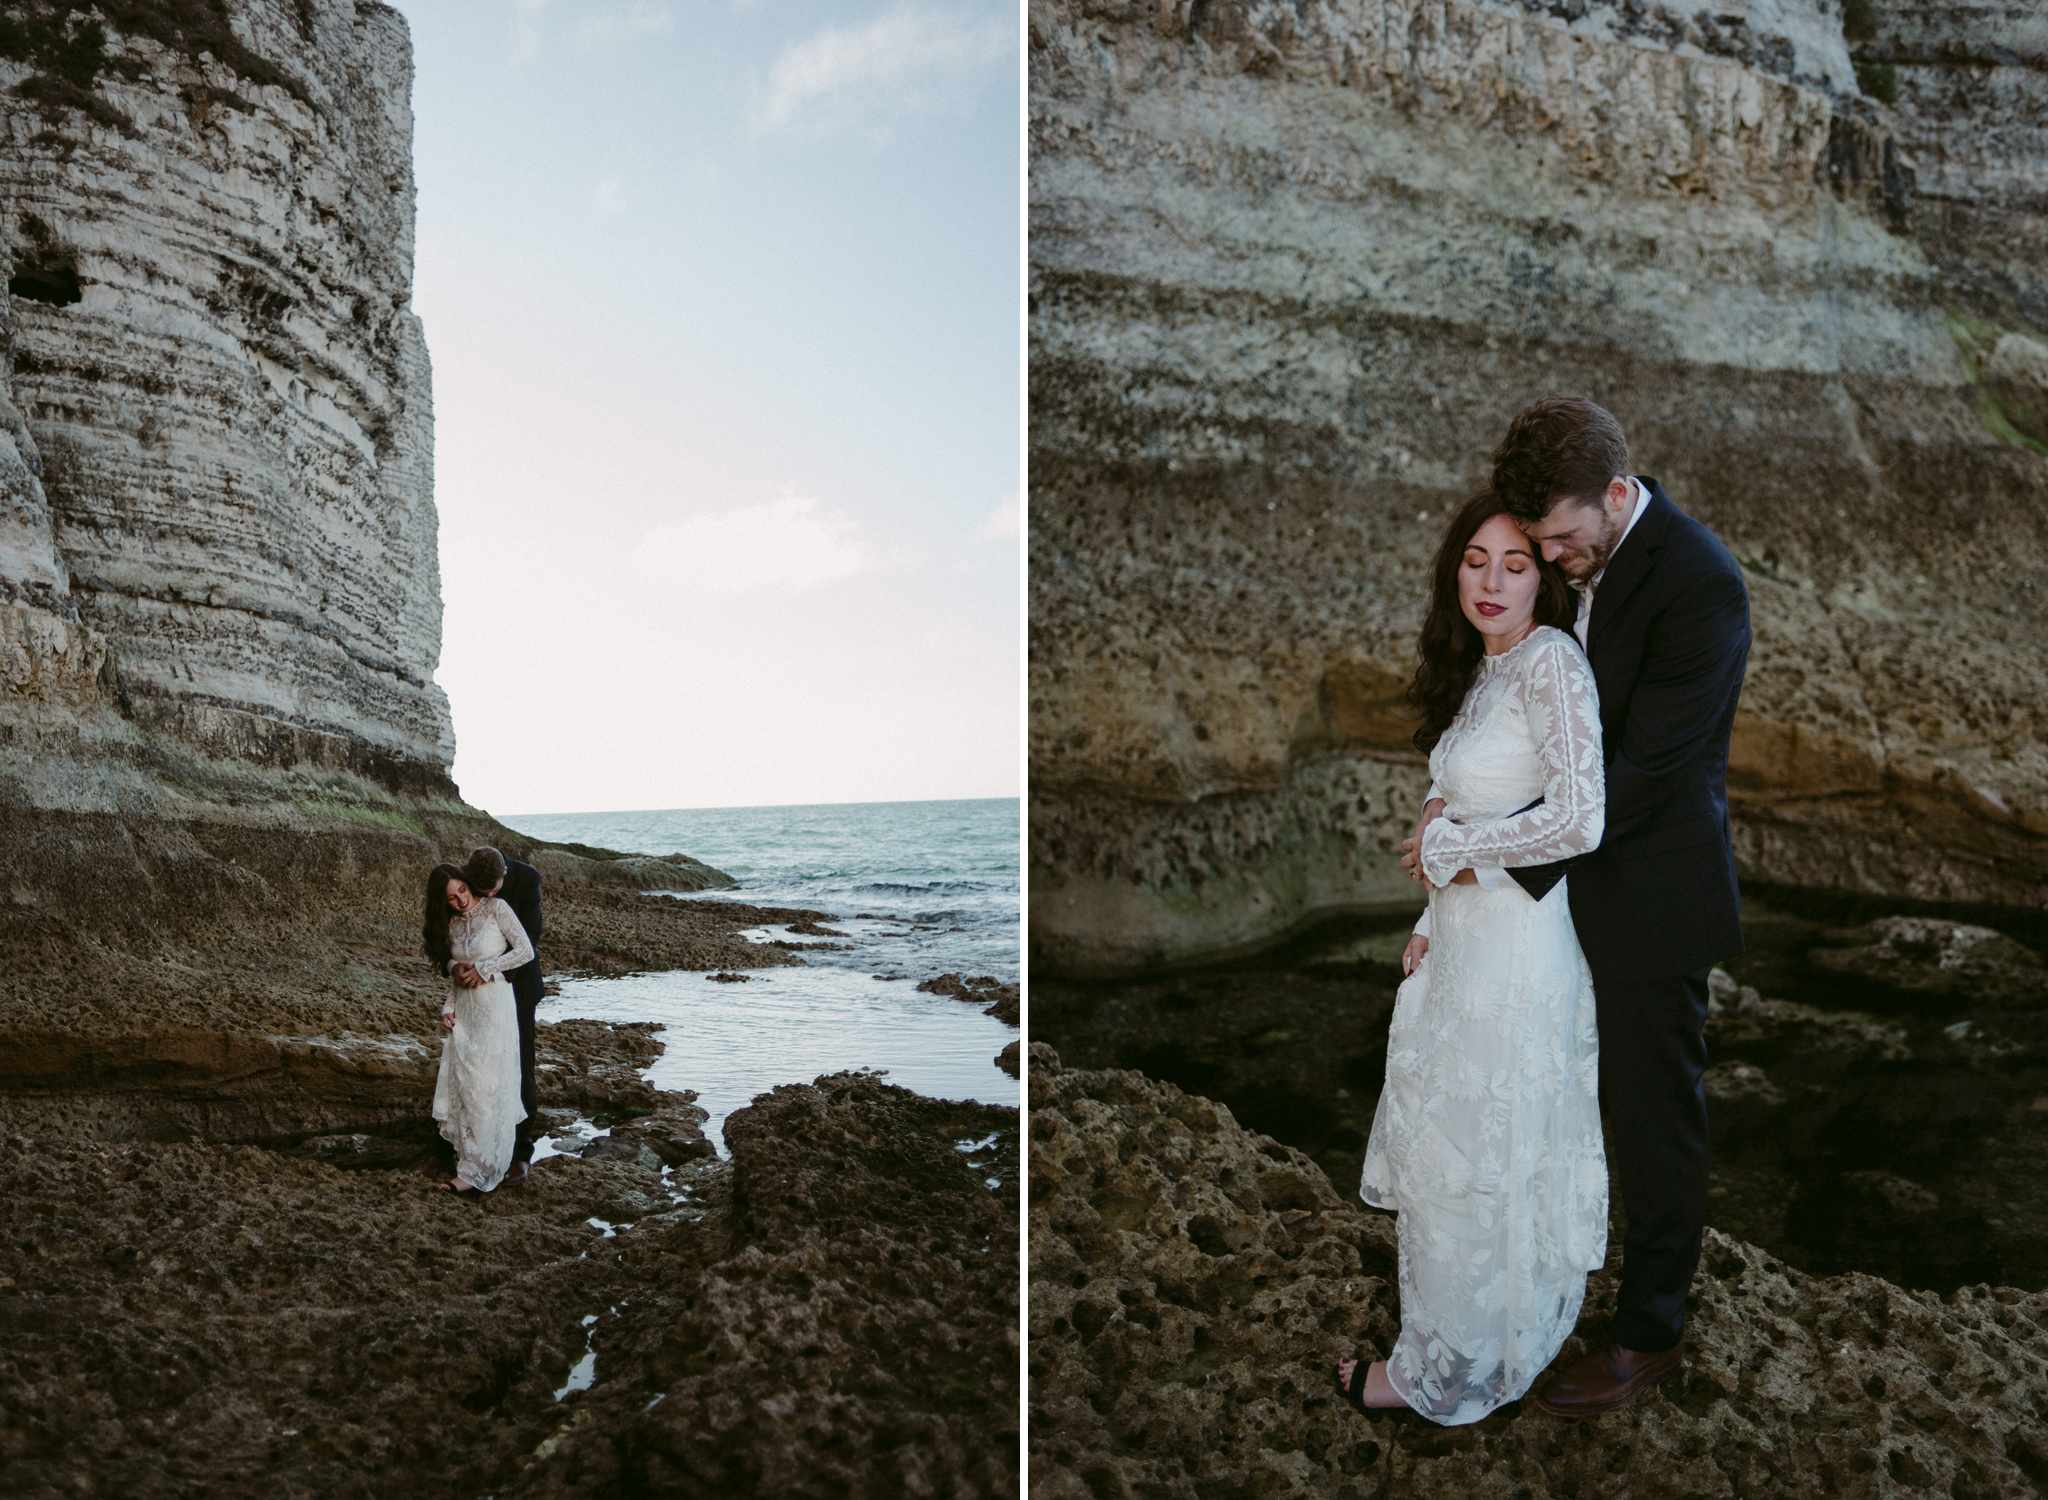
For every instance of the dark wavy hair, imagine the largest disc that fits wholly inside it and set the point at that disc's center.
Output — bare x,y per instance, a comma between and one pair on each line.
1449,648
434,925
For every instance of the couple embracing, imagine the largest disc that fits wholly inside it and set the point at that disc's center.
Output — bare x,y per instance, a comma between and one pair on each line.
1580,665
481,929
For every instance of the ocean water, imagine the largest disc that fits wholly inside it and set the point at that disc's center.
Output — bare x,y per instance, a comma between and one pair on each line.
919,888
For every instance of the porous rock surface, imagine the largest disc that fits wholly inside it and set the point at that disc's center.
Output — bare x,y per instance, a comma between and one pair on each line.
855,1332
1192,1285
1294,263
1942,960
832,1312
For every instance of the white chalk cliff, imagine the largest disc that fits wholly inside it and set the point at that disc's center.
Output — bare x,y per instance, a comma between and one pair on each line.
217,529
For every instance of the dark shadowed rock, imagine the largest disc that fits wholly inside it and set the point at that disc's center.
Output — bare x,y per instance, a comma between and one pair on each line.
1947,961
1192,1284
1009,1062
1004,999
364,1152
674,1132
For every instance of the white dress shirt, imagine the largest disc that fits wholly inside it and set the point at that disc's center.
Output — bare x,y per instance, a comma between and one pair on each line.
1585,620
1494,877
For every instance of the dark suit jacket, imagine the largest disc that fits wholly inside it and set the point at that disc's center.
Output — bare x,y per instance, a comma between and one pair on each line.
1668,639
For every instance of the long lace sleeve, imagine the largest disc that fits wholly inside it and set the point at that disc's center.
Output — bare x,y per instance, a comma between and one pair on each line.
1564,716
520,952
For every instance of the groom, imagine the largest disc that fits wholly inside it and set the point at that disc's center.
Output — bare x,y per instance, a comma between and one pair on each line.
1664,617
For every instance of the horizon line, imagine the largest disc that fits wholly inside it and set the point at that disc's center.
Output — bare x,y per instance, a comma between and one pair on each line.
756,806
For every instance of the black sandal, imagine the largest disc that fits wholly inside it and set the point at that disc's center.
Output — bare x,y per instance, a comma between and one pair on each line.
1355,1392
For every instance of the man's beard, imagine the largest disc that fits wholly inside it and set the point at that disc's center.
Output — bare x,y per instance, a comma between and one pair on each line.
1594,560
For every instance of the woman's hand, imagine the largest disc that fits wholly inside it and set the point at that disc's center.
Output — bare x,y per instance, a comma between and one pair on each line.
447,1020
1412,955
1411,847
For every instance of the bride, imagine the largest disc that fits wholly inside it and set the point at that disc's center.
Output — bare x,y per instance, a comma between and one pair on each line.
476,941
1487,1140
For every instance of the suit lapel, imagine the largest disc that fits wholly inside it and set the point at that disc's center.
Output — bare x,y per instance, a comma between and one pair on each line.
1631,561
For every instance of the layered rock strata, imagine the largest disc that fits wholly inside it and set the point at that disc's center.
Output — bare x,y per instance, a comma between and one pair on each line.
221,465
1293,266
1193,1284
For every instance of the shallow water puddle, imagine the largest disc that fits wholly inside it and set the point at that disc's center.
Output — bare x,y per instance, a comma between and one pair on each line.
730,1042
585,1371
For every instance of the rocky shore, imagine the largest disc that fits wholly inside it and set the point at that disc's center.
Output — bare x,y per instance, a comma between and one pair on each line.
832,1311
1193,1282
1877,1088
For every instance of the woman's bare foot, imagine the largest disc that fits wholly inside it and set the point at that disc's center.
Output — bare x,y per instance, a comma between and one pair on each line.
460,1185
1379,1391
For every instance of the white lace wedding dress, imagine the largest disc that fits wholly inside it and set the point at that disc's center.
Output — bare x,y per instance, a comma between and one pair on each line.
1487,1140
476,1100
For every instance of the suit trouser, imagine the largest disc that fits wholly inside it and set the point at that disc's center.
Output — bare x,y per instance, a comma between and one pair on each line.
526,994
526,990
1653,1052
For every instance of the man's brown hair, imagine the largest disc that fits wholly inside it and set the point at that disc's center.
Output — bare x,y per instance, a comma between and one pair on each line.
485,869
1561,447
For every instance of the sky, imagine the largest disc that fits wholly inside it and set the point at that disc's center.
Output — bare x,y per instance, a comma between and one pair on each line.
723,306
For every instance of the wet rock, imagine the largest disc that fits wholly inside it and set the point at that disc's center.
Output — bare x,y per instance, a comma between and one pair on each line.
1741,1099
1193,1283
1896,1194
1009,1062
728,978
832,1311
1005,998
616,1148
810,928
674,1132
1950,961
594,1066
854,1333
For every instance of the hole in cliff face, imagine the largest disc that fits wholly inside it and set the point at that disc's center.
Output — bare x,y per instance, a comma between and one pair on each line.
46,274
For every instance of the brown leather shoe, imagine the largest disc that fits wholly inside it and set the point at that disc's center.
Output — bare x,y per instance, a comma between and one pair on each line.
1606,1381
515,1175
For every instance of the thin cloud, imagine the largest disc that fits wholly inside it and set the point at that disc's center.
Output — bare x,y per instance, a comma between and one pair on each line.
616,26
905,58
784,545
526,28
1002,523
